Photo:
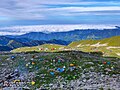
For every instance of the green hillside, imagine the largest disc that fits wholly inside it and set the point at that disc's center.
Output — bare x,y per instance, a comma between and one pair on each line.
83,42
113,41
41,48
108,46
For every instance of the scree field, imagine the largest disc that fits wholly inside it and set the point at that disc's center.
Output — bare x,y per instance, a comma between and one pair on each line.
67,70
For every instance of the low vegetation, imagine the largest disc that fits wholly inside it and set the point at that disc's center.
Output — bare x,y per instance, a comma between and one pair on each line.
110,47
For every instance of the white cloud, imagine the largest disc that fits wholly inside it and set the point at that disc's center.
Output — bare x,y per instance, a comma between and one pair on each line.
85,9
39,9
18,30
73,11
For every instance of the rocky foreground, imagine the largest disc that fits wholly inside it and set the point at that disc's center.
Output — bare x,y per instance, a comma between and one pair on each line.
59,71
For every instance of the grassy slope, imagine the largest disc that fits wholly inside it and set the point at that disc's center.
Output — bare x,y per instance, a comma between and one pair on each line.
41,48
83,45
111,42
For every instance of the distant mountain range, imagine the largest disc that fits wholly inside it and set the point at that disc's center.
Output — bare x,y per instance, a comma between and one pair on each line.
74,35
7,43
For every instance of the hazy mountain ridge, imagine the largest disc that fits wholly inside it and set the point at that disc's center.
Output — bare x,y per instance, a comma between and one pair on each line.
62,38
74,35
20,30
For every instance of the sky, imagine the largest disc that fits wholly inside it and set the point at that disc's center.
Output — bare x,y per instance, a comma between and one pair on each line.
23,16
46,12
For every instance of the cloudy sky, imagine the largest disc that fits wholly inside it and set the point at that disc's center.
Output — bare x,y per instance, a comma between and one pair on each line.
36,12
